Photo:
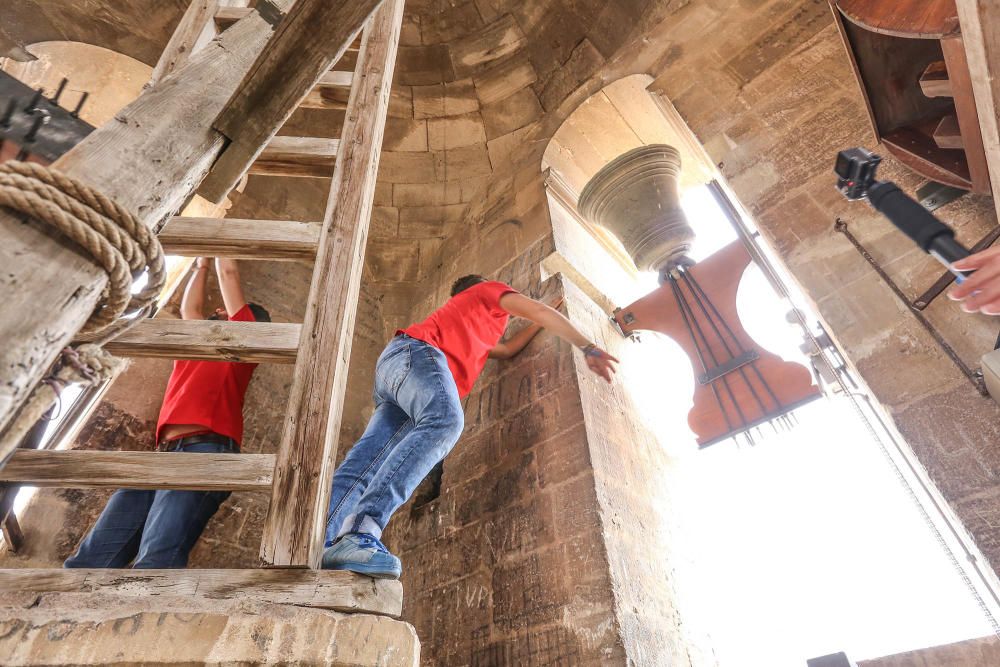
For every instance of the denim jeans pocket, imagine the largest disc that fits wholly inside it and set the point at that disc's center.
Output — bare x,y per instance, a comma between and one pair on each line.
394,364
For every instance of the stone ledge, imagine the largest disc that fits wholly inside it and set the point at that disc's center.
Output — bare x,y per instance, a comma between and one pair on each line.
98,628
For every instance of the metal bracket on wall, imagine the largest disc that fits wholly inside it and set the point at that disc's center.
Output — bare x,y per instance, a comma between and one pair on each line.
975,377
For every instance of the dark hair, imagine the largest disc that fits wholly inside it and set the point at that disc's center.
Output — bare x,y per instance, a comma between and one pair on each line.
260,314
465,282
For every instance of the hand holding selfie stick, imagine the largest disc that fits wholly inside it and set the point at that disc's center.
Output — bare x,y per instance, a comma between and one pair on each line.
856,169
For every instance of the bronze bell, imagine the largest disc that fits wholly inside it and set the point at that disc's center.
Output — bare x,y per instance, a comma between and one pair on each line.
637,198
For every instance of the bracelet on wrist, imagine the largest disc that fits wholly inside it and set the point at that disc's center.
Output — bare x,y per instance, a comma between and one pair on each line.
590,350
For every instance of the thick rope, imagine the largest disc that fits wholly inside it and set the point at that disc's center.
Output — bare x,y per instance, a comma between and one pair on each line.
115,238
87,364
117,241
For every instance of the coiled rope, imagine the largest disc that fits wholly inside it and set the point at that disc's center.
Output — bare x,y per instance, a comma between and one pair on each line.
117,241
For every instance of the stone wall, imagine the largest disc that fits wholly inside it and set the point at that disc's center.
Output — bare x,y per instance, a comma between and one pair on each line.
973,653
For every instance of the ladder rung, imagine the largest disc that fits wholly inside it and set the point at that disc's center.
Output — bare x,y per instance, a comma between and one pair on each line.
240,239
297,156
332,91
935,82
325,589
207,340
81,469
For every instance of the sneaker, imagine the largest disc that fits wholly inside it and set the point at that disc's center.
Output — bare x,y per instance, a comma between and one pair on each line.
364,554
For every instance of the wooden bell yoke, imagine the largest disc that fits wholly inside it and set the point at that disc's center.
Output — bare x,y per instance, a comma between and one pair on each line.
739,385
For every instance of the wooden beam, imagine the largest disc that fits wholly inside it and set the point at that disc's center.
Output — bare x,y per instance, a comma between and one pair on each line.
185,38
334,590
226,17
934,82
332,92
297,156
13,537
311,38
296,518
208,340
980,22
81,469
149,159
240,239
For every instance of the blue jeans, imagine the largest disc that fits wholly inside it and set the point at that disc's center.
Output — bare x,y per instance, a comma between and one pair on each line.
418,419
157,529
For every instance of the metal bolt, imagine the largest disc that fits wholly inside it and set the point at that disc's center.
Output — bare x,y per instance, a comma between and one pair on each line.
9,114
59,91
35,99
79,105
40,119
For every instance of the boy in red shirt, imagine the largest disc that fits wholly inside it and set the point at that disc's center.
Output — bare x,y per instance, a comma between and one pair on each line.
419,380
202,412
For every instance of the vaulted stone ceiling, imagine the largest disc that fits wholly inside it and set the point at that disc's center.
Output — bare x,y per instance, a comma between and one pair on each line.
480,88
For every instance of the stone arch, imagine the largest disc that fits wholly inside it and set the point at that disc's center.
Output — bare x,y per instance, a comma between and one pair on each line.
111,79
136,28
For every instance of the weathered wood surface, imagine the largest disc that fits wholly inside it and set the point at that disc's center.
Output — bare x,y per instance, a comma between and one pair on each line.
79,469
332,92
934,81
923,19
209,340
297,156
308,41
240,239
226,17
947,134
296,518
967,116
13,536
186,37
149,159
981,36
323,589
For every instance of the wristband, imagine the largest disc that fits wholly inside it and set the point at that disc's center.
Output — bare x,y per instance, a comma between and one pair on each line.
591,350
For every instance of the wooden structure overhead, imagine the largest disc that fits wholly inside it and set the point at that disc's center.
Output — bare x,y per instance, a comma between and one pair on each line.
909,59
210,99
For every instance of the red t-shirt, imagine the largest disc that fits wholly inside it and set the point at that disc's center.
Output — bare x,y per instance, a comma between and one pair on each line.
466,328
209,393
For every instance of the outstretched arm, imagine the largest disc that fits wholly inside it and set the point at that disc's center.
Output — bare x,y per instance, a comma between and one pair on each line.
598,361
193,301
229,284
515,344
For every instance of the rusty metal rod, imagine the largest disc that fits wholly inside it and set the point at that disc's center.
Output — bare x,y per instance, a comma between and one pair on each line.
971,375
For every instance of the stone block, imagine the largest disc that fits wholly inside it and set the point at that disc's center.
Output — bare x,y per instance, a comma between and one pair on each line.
456,131
405,135
423,65
504,78
97,629
453,98
477,50
511,113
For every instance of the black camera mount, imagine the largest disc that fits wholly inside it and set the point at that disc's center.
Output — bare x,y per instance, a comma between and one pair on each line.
856,168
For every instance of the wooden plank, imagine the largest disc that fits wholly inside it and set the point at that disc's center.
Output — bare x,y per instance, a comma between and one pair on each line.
334,590
308,41
296,520
965,110
981,38
225,17
81,469
332,92
934,81
240,239
297,156
208,340
149,159
185,38
13,537
923,19
947,134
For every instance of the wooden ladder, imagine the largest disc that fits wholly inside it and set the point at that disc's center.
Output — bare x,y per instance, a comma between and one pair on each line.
299,475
